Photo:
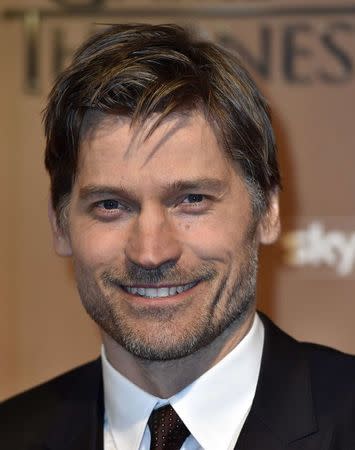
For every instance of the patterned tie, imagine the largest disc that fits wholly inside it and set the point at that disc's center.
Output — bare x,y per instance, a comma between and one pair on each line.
167,430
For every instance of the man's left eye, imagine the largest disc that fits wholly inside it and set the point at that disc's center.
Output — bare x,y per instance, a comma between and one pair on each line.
193,198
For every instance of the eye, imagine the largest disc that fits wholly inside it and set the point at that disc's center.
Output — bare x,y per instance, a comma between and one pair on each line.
195,204
193,198
109,204
109,209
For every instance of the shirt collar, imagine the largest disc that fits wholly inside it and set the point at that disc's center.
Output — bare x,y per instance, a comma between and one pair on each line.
222,396
127,406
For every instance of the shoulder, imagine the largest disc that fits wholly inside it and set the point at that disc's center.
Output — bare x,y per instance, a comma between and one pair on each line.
332,375
326,365
329,361
332,386
35,409
328,374
58,389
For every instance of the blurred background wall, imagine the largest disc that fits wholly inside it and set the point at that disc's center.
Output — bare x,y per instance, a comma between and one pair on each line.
302,55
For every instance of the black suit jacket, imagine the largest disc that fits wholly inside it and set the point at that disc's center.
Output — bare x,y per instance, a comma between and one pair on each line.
305,400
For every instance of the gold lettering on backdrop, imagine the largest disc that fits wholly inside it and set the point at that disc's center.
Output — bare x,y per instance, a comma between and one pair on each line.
61,51
299,42
260,63
31,21
78,3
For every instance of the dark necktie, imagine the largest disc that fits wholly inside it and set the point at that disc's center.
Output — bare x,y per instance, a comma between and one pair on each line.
167,430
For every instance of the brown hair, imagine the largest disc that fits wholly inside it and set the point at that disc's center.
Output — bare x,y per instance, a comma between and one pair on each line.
137,70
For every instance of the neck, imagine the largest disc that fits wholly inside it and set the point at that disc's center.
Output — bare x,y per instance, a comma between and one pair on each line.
165,378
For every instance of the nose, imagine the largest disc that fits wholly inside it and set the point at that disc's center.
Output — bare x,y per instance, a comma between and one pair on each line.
153,239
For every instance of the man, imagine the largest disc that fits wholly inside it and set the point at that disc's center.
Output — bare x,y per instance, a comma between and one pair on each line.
164,182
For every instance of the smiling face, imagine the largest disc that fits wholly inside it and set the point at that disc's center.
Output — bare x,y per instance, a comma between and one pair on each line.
162,235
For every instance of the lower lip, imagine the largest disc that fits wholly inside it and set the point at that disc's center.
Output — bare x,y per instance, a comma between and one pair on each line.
159,300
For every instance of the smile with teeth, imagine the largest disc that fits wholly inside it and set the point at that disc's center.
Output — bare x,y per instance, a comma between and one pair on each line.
159,292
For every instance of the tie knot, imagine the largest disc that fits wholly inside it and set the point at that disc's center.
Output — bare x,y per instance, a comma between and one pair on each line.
167,430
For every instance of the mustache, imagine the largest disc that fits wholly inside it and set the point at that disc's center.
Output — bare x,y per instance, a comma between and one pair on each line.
167,273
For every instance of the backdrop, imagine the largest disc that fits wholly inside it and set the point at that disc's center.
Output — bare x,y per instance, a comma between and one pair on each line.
302,55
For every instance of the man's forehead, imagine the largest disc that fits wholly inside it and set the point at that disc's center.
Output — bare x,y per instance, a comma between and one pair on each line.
101,131
96,122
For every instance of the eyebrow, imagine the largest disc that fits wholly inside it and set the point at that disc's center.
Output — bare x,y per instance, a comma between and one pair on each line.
212,185
92,191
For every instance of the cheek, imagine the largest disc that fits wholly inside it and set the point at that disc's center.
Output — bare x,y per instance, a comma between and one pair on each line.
94,246
217,240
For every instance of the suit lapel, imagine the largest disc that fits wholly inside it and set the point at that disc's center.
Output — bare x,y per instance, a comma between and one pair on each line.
79,423
282,410
256,435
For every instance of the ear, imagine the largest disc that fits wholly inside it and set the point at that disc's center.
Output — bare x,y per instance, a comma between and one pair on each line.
269,225
61,241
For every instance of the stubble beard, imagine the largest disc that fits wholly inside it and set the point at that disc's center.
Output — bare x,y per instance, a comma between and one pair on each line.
163,338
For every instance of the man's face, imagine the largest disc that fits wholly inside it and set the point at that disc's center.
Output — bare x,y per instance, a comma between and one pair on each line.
162,236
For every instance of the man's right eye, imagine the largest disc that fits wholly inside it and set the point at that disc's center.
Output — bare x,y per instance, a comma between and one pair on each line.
108,208
109,204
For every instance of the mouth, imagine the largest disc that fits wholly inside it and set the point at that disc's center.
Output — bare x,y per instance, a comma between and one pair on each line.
158,291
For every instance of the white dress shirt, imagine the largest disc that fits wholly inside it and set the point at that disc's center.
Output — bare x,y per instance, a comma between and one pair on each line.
214,407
